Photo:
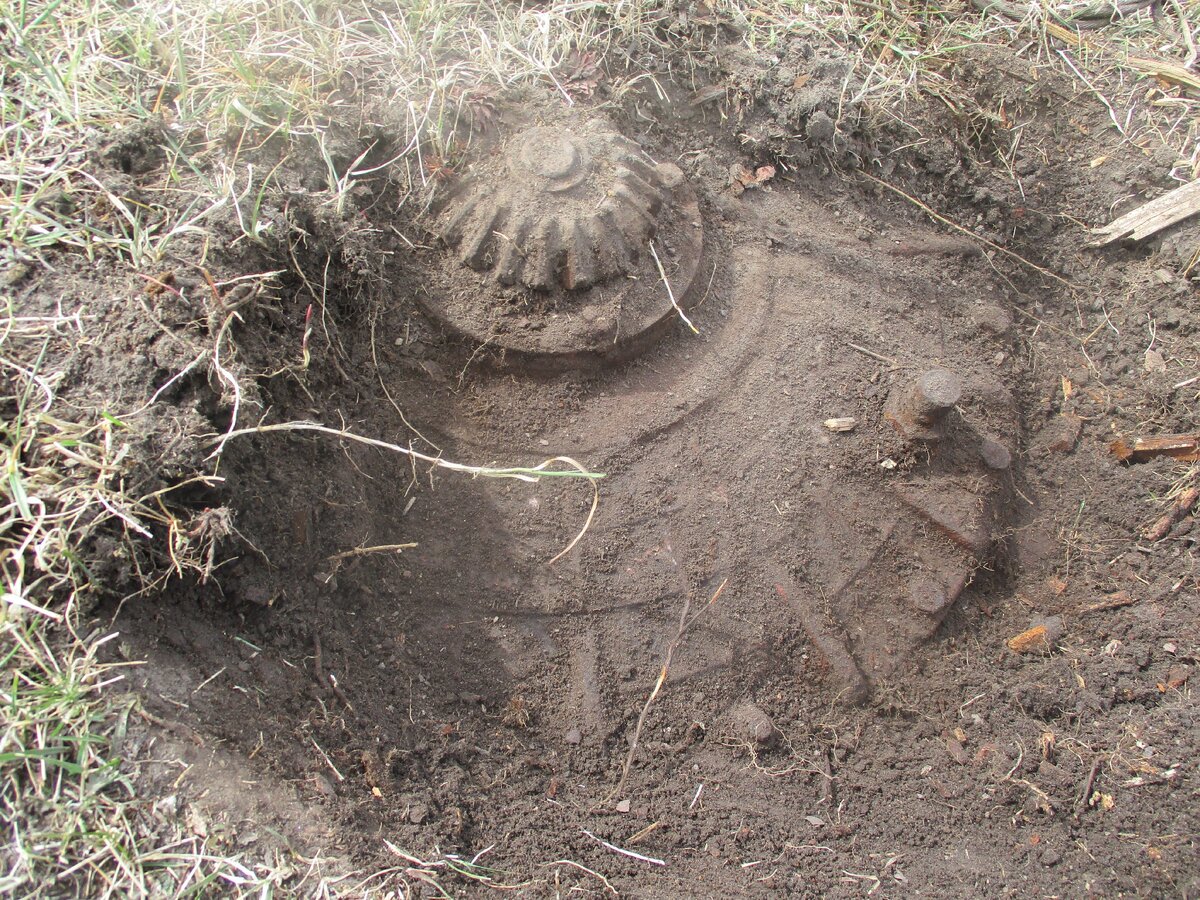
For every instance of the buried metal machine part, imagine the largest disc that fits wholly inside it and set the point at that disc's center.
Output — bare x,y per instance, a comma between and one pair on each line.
918,409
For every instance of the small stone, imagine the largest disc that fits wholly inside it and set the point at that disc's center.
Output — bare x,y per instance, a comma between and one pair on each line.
752,724
573,736
623,806
1050,857
418,813
995,455
1054,628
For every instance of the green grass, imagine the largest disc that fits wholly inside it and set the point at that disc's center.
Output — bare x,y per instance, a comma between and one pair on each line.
221,80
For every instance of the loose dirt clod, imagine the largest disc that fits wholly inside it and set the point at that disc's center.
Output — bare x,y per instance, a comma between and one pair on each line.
752,725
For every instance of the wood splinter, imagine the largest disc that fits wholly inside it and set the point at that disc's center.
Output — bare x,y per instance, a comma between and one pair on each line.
1151,218
1184,447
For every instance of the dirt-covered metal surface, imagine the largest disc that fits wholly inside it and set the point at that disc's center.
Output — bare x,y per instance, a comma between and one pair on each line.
559,214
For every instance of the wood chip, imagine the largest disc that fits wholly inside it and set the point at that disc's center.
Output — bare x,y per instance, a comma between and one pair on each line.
1114,601
1184,447
1180,508
1167,71
1150,218
1031,641
847,423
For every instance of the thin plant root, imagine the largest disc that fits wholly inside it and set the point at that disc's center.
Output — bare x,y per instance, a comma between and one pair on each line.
991,244
530,474
684,624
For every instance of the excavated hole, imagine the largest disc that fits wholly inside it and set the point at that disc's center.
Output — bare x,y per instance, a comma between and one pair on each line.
838,444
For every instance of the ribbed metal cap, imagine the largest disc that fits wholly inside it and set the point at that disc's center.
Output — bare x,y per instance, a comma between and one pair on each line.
564,210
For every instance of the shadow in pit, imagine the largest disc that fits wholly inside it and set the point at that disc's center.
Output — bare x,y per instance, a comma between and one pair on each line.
352,679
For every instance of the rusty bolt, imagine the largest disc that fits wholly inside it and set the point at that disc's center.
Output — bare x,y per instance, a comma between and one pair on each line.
918,409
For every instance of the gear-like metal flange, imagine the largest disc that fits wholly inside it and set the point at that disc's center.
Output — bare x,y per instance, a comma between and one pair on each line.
573,210
567,216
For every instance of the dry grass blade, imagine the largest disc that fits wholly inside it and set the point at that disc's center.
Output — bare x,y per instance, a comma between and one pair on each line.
975,237
670,293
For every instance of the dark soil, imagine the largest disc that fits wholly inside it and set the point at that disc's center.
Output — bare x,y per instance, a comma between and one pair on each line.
847,714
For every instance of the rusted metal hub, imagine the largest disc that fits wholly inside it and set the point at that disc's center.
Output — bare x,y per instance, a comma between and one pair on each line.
918,410
558,221
554,155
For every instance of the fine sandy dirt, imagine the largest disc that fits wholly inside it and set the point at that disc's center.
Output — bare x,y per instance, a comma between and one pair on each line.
846,715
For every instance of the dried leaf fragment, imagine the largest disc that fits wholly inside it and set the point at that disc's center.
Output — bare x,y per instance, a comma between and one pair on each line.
516,714
1047,743
955,748
1177,677
1102,800
741,178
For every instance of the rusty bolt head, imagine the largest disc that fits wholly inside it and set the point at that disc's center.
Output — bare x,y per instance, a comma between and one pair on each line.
917,409
935,394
